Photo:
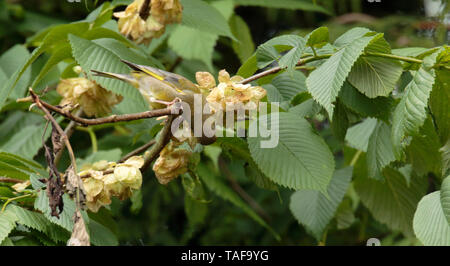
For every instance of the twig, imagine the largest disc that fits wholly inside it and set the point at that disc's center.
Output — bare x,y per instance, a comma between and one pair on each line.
137,151
163,139
56,126
10,180
144,12
68,131
278,69
324,56
110,119
236,187
13,199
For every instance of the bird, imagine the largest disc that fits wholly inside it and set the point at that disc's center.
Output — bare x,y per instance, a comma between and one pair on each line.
161,88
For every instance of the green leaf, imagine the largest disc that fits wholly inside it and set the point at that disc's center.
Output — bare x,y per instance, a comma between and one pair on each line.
215,184
93,56
128,53
30,219
359,103
15,166
314,210
37,221
193,44
375,76
379,151
249,67
445,198
238,148
318,37
287,4
289,84
65,217
27,141
299,160
350,36
392,202
423,152
8,221
200,15
100,235
10,62
445,153
35,183
325,82
439,104
244,46
409,51
15,122
62,52
358,135
270,51
7,242
344,215
410,113
225,7
56,36
340,123
195,211
430,224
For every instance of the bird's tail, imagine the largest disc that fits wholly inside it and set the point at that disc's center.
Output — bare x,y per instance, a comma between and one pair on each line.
154,72
123,77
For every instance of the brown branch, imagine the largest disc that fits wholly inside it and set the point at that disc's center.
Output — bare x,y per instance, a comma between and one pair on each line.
137,151
68,131
236,187
156,147
278,69
113,118
161,142
10,180
144,12
55,124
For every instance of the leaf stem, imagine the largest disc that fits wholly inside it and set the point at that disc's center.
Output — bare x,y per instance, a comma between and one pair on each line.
324,56
93,140
355,158
13,199
393,56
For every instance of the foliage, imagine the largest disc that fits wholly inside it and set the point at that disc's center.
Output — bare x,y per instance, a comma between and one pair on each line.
363,130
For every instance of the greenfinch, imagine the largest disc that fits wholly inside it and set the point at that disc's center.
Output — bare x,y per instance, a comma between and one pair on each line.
160,88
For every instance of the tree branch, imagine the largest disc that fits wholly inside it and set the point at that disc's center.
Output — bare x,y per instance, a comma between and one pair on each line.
144,12
10,180
137,151
162,141
113,118
278,69
55,124
324,56
68,131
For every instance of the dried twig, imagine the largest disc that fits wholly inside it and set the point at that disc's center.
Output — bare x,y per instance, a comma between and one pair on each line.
137,151
10,180
55,124
162,141
278,69
113,118
68,131
144,12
